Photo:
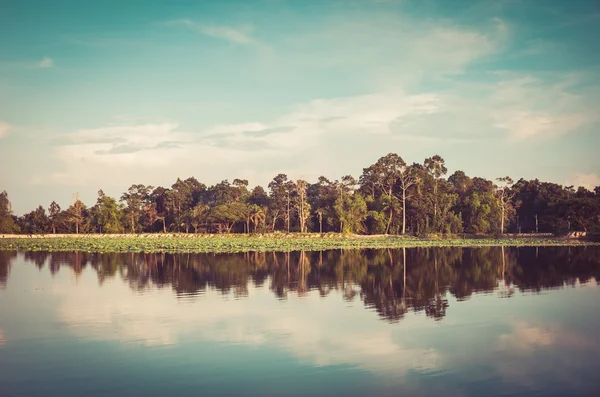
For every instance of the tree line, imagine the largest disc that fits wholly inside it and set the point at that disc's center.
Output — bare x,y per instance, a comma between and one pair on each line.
390,197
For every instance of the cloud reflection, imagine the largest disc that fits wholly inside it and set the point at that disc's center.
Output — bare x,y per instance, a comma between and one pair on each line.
318,331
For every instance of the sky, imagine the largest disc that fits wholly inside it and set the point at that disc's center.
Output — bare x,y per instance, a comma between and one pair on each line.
106,94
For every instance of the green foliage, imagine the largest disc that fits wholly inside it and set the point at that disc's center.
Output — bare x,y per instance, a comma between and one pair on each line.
107,215
249,243
7,222
390,197
352,211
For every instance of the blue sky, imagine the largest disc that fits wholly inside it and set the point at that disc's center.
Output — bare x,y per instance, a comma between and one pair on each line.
104,94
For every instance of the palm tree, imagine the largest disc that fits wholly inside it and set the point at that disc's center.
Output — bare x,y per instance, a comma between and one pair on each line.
257,216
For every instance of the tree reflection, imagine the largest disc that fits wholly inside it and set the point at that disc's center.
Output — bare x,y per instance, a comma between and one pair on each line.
391,282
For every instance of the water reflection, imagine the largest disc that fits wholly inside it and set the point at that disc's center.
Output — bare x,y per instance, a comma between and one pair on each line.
392,282
458,321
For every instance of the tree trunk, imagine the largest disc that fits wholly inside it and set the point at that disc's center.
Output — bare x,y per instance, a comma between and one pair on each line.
389,221
403,211
164,225
288,213
502,221
132,223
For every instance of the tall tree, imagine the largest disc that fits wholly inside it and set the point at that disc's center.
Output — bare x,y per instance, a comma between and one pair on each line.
436,167
505,196
301,204
7,221
76,214
135,198
352,211
279,193
107,214
35,221
54,211
406,179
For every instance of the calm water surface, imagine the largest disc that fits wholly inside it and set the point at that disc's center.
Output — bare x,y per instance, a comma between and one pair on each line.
444,321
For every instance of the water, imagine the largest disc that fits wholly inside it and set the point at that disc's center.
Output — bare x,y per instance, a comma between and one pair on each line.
450,321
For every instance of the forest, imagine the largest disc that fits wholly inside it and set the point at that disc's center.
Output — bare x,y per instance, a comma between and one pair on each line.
390,197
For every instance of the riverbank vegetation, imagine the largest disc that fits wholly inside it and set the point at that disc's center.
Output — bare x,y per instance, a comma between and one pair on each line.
390,197
255,243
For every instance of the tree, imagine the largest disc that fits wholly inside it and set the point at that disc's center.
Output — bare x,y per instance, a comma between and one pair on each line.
436,166
7,222
257,216
35,221
54,211
481,207
301,204
226,215
384,174
107,214
159,205
280,198
505,196
198,215
135,198
406,180
352,211
76,214
320,215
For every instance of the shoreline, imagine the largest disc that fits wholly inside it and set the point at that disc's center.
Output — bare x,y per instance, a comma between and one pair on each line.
203,243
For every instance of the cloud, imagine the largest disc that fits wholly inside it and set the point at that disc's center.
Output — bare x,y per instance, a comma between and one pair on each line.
121,149
4,129
2,338
386,50
525,338
267,131
530,354
507,107
240,36
46,63
588,181
320,333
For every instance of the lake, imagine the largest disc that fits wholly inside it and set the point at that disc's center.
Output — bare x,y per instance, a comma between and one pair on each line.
423,321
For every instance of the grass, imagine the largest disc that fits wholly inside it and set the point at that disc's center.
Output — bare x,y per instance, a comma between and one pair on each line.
243,243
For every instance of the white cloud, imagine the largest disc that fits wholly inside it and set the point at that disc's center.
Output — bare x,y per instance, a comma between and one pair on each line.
525,338
300,140
235,35
117,155
529,354
227,33
390,50
4,129
46,63
531,108
588,181
319,332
